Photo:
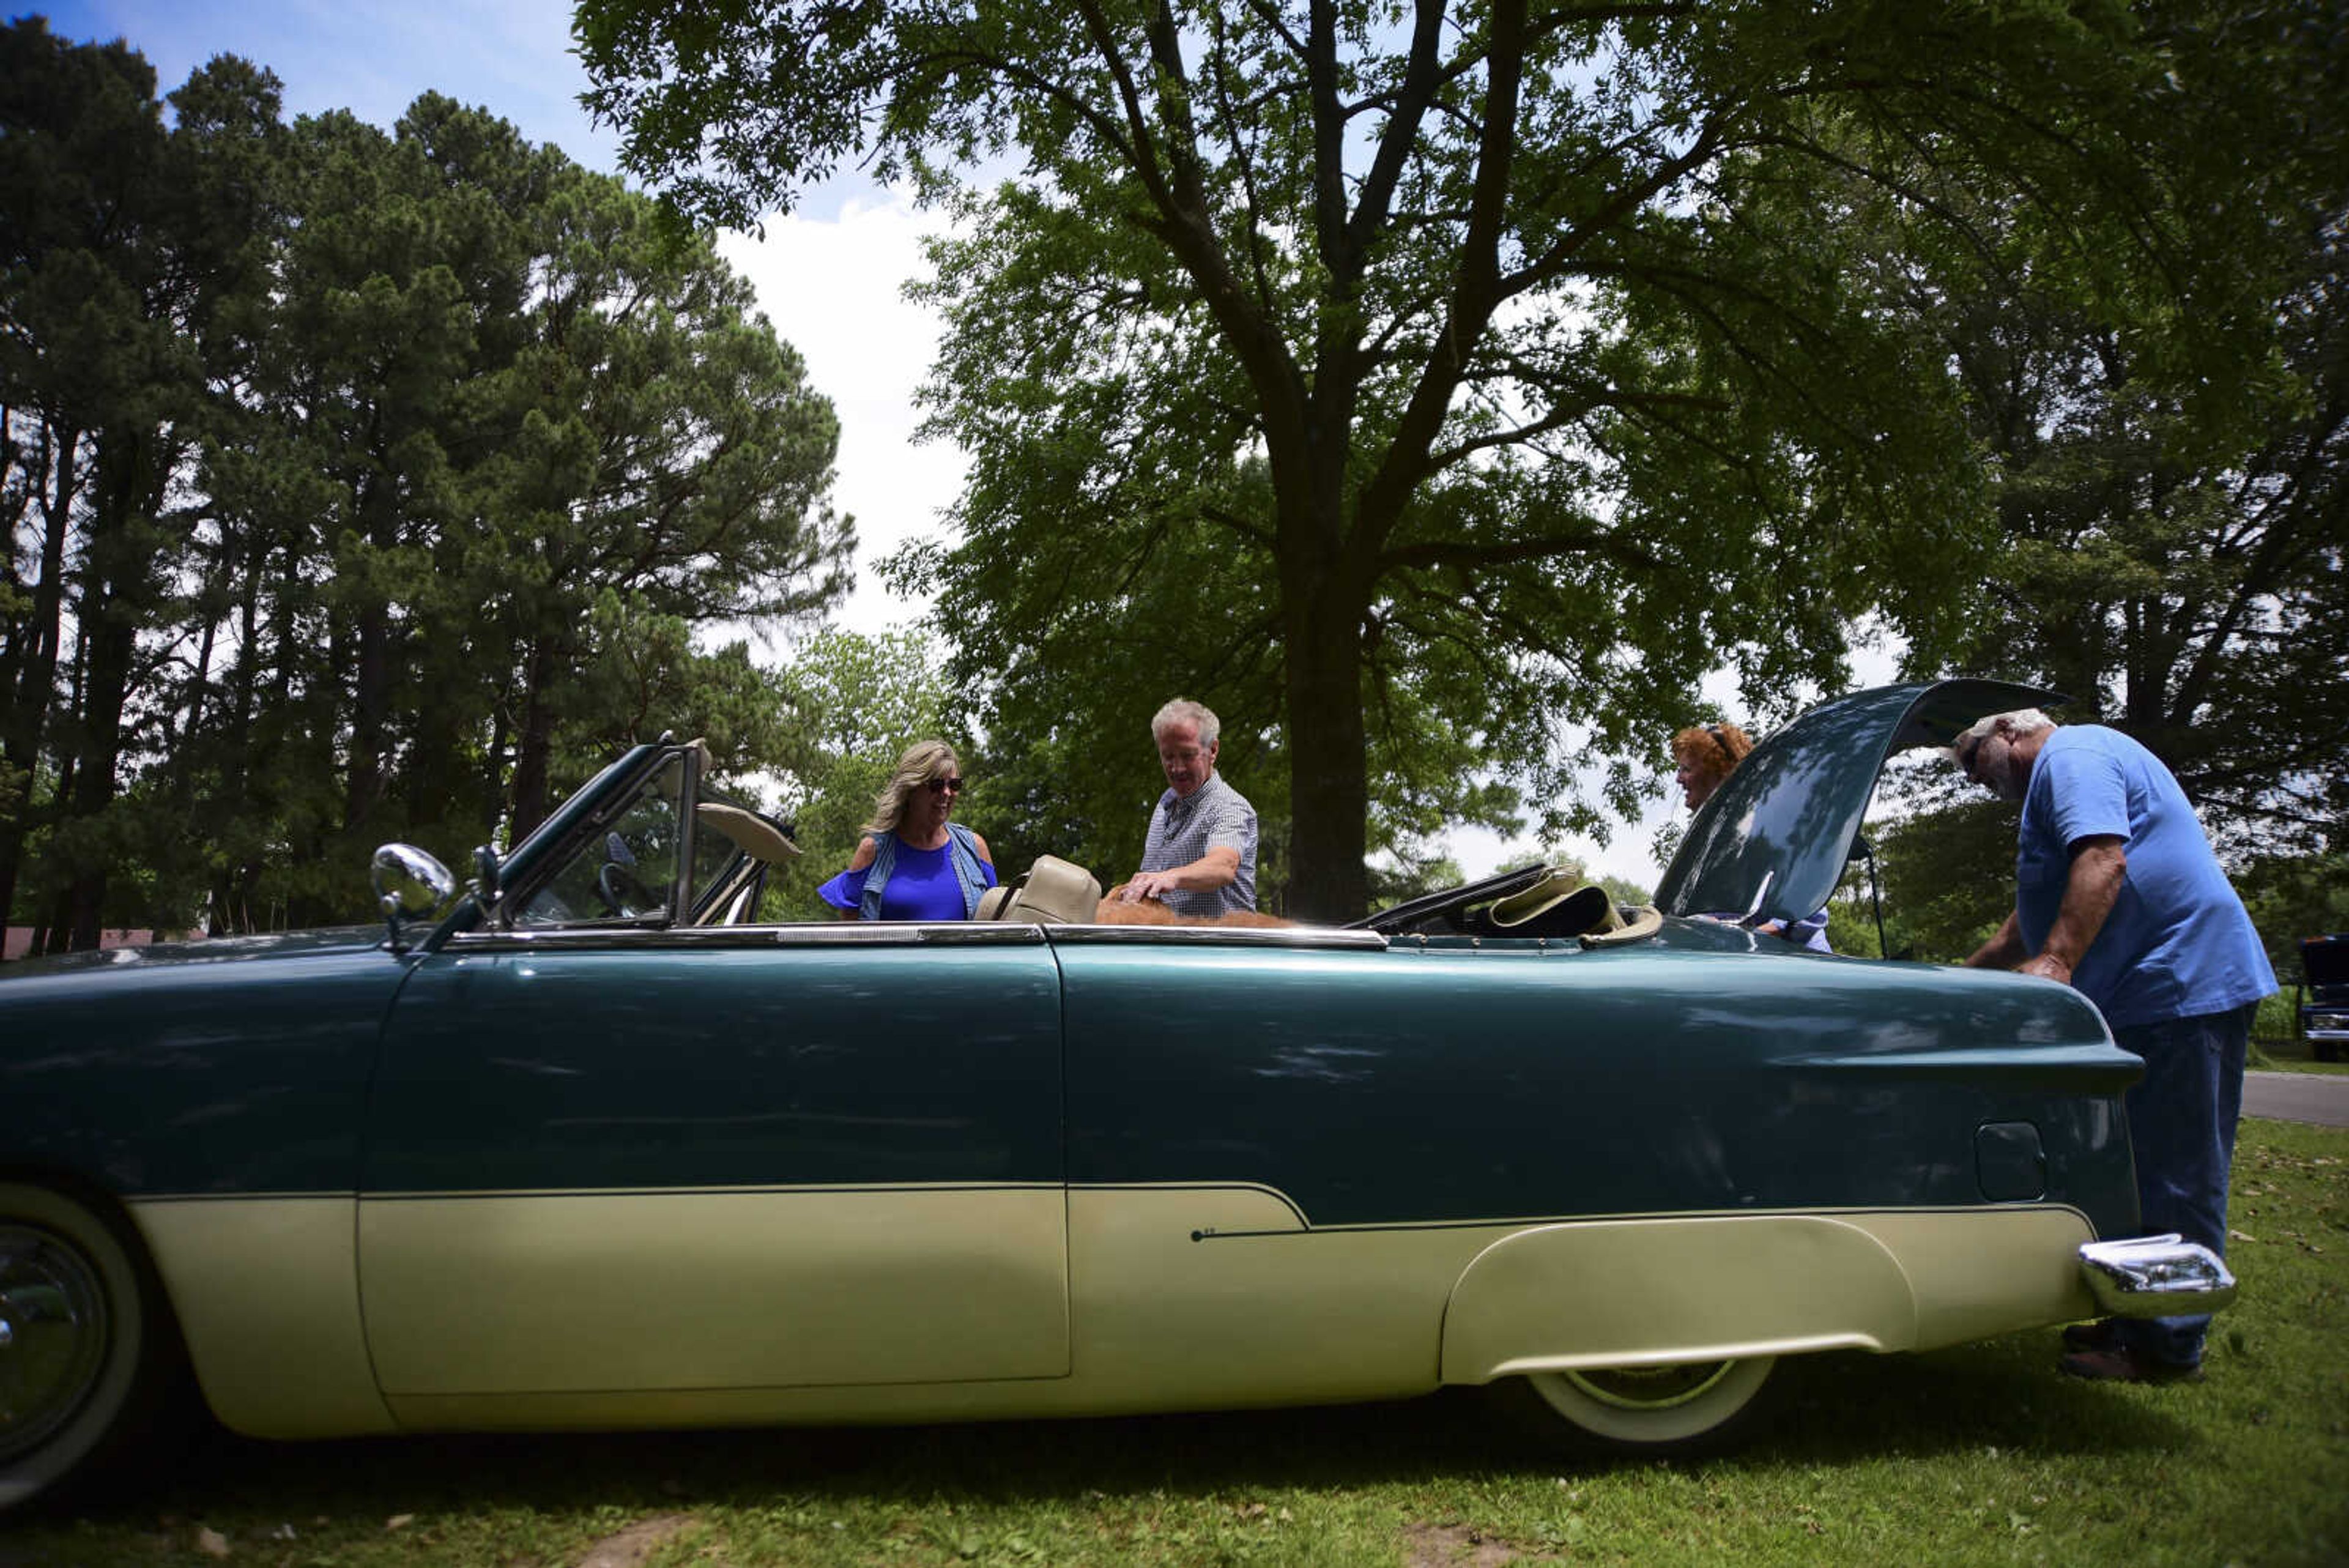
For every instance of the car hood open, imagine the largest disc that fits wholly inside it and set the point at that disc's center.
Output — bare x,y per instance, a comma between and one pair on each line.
1773,839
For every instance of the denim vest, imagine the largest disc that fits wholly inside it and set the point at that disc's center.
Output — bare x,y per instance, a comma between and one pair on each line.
962,854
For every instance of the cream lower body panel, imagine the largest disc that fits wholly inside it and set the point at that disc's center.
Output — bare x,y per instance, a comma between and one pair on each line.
1209,1298
267,1295
656,1291
1176,1298
1181,1298
1978,1272
1626,1292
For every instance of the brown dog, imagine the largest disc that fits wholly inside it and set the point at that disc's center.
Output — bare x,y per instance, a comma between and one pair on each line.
1116,911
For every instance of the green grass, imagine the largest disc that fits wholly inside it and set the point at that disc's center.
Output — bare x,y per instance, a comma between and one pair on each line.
1982,1454
2288,1056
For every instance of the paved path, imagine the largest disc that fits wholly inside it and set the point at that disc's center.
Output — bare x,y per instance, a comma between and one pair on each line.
2298,1098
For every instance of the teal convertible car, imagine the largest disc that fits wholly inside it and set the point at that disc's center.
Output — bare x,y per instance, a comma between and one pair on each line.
580,1148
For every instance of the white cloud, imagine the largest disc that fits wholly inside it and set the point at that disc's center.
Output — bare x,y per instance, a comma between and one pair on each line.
835,290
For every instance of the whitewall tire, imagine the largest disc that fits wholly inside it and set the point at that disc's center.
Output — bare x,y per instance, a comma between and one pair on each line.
83,1345
1650,1409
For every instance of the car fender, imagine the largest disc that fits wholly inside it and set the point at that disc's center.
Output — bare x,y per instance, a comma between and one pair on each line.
1619,1293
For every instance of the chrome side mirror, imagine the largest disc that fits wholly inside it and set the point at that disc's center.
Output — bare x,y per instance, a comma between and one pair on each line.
409,885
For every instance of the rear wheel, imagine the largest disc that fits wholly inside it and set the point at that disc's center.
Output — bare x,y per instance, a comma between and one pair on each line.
82,1343
1651,1409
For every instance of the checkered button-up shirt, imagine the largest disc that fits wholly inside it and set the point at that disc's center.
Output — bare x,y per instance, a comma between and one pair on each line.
1215,816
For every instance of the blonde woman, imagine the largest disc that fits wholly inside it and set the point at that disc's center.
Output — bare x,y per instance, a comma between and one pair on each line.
916,864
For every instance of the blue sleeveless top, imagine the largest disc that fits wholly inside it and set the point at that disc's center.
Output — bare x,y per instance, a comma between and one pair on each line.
908,884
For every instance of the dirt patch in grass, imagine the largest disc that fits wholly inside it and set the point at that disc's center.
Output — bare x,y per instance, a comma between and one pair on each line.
1457,1546
632,1546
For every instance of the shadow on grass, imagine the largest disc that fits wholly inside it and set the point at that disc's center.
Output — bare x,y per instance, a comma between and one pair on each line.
1828,1409
2004,1393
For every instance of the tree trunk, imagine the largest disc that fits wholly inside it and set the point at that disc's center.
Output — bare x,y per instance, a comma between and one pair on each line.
493,776
114,603
1329,761
1325,587
21,737
534,747
370,712
371,647
232,890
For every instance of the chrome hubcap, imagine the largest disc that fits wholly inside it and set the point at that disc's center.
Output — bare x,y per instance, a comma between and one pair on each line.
53,1330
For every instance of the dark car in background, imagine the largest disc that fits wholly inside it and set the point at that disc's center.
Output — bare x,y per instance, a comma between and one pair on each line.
2324,1006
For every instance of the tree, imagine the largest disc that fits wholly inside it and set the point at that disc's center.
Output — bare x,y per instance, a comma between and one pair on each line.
2293,897
2169,433
1537,321
2171,451
123,245
666,446
350,475
504,455
1948,872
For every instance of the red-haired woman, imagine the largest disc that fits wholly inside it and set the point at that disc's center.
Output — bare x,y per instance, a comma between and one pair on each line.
1705,754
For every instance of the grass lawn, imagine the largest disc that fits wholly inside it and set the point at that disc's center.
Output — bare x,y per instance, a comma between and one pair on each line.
2290,1057
1983,1454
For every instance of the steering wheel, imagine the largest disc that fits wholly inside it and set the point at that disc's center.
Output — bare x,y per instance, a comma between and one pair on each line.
618,887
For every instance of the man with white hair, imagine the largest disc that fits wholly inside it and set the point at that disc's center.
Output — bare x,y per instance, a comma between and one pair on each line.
1200,856
2119,895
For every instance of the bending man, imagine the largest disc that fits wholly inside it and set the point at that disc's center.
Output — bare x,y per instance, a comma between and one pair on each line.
2119,895
1200,856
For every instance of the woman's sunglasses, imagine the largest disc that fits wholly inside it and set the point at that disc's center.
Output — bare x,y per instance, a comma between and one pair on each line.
940,786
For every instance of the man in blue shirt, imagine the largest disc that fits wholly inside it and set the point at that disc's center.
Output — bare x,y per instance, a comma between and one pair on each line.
1199,855
2119,895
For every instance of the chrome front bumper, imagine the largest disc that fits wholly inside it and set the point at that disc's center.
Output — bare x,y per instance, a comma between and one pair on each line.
2156,1276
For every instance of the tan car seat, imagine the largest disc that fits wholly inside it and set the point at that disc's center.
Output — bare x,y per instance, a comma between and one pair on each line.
1052,892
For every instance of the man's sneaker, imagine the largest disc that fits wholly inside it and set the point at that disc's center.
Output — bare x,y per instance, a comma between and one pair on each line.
2121,1365
2104,1334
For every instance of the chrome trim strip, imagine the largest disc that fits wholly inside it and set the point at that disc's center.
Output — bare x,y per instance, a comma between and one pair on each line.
784,1189
1358,1226
2156,1276
1222,936
846,934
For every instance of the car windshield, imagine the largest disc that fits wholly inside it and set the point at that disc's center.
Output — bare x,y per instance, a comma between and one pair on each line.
629,871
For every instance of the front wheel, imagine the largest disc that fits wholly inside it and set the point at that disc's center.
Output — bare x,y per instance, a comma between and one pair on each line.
81,1340
1650,1409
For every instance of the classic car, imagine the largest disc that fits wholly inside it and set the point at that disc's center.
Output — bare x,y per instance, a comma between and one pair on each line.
2325,1014
580,1148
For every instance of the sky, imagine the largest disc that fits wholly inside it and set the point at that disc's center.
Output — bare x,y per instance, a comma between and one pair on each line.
829,277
